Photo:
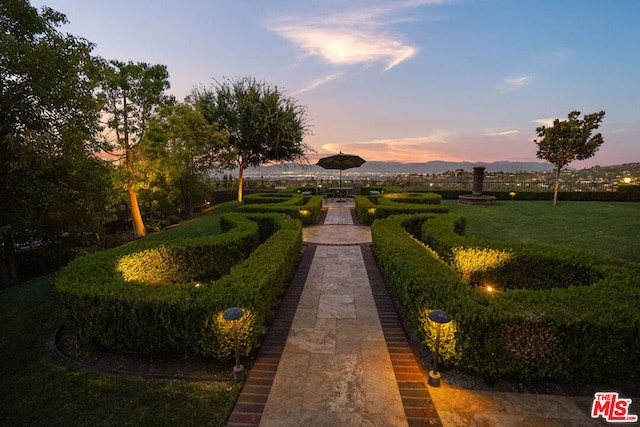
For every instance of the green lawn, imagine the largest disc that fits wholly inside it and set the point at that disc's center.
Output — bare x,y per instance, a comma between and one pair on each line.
199,226
37,388
605,227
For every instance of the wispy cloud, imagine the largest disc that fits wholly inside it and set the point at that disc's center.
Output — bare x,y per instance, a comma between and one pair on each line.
359,36
419,141
320,81
544,122
403,149
493,132
511,84
443,144
345,46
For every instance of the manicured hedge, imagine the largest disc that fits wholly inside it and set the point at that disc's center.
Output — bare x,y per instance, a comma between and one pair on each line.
307,209
192,259
624,194
631,192
583,327
369,208
366,191
139,316
310,190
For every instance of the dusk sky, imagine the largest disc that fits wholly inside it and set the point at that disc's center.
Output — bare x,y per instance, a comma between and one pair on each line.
410,81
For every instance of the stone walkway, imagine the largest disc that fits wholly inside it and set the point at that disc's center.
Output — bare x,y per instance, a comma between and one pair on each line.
336,354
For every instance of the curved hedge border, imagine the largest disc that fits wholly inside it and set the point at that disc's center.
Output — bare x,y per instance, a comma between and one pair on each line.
369,208
565,333
306,209
156,317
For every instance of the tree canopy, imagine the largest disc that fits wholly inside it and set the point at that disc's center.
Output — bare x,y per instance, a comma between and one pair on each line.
48,120
182,148
568,140
261,122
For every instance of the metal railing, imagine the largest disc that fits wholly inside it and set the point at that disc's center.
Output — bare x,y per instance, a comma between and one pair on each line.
451,184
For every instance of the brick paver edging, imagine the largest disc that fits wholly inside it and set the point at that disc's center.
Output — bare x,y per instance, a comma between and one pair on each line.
253,397
418,406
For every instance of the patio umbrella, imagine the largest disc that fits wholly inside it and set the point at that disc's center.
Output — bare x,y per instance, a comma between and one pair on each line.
341,161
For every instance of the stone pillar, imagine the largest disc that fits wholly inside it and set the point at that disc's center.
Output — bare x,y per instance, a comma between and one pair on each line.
478,178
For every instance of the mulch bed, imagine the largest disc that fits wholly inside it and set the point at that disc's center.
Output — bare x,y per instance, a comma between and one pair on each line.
156,367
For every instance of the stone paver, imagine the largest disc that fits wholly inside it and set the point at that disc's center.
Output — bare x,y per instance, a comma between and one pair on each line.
335,367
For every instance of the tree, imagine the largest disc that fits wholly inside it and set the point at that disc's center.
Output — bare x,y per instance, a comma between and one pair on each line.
132,94
569,140
262,124
48,120
183,148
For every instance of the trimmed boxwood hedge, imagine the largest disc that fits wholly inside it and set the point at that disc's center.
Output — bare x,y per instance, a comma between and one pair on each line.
624,193
587,329
307,209
147,316
369,208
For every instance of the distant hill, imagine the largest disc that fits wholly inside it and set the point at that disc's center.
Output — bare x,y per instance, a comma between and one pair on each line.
390,168
614,172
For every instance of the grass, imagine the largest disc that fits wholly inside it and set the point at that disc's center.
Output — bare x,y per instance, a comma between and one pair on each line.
37,388
608,228
200,226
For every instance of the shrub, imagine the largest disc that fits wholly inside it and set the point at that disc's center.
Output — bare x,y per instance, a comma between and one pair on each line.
186,260
306,209
145,317
629,192
586,332
369,208
625,193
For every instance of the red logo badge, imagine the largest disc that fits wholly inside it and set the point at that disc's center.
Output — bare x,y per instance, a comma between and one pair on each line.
612,408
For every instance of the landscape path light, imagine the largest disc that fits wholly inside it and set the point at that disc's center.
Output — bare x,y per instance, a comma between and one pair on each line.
440,318
233,314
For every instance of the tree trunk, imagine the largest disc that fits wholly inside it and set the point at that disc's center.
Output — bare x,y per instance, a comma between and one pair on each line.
8,271
138,225
242,168
555,192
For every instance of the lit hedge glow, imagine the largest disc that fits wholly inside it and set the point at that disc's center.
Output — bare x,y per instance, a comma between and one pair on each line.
449,352
470,262
221,334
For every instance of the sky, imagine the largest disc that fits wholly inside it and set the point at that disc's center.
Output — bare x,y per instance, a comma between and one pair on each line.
399,80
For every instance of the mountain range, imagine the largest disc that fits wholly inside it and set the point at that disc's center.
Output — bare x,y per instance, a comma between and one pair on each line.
387,168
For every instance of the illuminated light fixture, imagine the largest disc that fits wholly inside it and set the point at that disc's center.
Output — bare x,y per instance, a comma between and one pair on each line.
490,288
304,212
233,314
627,180
512,194
440,318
